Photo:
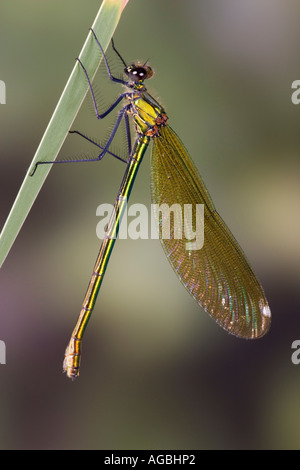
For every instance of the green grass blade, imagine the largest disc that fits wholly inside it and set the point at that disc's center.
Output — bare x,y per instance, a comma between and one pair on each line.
65,112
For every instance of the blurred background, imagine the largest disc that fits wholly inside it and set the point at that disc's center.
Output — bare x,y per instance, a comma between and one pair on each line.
157,372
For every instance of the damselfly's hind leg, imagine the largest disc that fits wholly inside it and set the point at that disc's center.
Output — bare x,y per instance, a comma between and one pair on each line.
122,113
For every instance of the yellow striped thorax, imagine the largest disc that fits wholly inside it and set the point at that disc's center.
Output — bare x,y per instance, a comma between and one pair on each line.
147,113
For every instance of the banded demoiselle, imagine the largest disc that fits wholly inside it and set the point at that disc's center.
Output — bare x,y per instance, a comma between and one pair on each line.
218,275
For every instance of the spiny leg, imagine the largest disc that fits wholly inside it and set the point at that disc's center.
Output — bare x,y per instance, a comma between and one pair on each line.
98,145
105,150
99,116
110,109
112,78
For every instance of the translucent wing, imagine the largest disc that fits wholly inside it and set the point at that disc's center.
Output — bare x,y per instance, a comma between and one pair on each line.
218,275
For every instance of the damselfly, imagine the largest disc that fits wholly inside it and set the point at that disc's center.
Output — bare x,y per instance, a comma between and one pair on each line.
218,275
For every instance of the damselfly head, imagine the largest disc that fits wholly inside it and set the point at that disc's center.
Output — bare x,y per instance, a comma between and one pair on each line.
138,72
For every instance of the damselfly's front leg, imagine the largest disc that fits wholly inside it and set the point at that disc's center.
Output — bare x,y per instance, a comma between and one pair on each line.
122,113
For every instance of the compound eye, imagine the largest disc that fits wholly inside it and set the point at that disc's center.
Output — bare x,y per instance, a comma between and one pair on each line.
138,73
